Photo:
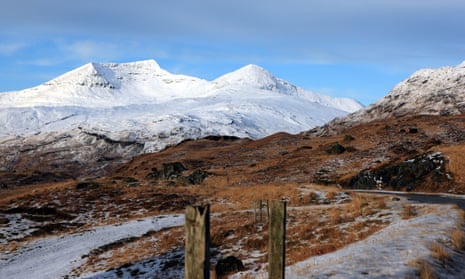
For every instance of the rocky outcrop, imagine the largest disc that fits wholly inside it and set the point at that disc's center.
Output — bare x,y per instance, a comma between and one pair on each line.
174,172
227,266
420,171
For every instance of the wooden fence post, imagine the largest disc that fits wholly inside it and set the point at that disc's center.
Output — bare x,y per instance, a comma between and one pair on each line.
197,253
277,240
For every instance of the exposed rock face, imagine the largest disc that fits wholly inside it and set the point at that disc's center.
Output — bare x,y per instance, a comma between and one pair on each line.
427,169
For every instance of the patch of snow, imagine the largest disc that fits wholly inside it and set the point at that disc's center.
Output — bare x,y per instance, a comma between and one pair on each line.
55,257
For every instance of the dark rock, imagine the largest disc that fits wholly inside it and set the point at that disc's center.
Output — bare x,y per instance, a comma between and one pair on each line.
87,185
222,138
4,220
228,265
33,210
335,149
168,171
348,138
197,177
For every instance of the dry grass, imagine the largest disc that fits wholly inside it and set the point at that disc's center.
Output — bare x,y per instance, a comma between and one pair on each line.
409,211
425,270
440,253
337,228
457,238
456,163
335,216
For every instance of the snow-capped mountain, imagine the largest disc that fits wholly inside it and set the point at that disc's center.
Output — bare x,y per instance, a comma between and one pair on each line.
144,99
108,85
138,107
426,92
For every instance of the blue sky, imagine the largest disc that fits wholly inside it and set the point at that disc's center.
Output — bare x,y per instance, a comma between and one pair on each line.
345,48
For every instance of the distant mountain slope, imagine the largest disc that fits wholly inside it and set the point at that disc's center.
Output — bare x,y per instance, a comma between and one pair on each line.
426,92
111,112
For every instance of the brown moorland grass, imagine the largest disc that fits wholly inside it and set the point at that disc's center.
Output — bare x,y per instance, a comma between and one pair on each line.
409,211
456,163
425,270
440,253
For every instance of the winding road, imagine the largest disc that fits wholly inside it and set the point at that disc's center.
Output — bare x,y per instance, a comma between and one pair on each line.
425,198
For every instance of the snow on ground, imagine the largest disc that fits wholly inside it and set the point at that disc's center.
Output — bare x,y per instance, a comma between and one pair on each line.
390,253
55,257
387,254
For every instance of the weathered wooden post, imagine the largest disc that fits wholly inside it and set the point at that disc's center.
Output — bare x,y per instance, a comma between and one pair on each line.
277,240
197,254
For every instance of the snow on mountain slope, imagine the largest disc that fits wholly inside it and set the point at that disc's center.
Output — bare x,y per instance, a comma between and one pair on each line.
426,92
121,107
253,76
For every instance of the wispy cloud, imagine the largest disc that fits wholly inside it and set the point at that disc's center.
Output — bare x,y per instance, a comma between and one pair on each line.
11,48
88,50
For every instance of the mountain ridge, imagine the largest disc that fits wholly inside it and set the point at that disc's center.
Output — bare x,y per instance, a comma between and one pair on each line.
146,82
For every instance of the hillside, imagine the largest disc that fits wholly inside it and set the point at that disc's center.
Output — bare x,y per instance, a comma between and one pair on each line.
354,159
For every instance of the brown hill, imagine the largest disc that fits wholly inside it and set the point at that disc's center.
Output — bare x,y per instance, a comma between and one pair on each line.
411,153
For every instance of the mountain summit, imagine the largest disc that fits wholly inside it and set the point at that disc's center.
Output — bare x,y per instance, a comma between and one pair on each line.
427,91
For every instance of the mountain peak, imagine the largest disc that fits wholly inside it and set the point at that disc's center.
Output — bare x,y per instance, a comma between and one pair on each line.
108,75
254,76
253,68
88,75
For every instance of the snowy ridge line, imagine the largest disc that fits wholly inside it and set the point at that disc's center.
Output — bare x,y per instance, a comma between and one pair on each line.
142,82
